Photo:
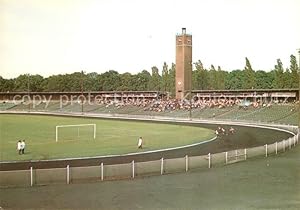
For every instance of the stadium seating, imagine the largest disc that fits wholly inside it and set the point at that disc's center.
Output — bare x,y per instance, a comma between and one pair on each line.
276,113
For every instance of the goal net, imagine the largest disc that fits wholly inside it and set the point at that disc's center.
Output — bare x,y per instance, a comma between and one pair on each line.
78,131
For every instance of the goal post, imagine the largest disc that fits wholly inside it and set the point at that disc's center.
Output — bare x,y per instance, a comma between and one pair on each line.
77,125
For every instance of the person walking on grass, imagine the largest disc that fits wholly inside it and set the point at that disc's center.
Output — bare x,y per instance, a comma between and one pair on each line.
19,147
23,146
140,143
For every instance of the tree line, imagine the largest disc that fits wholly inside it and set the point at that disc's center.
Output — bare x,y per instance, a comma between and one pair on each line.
164,80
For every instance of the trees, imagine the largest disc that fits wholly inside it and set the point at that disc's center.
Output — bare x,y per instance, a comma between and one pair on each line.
155,81
91,82
142,80
264,79
249,76
287,79
128,82
234,80
212,83
295,72
36,83
110,80
21,83
6,85
52,83
27,82
165,78
200,77
278,81
74,81
171,79
221,75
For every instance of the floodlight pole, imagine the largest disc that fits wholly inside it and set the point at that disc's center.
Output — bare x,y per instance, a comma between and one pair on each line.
82,73
28,91
190,114
188,93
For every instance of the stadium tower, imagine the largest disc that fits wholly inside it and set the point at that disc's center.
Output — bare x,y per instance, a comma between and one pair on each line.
183,81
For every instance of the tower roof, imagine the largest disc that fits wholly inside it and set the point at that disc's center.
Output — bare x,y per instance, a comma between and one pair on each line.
183,32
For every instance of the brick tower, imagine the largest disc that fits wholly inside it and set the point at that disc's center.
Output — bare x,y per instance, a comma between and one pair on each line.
183,81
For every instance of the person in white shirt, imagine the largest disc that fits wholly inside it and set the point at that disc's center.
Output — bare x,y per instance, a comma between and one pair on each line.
19,147
23,146
140,143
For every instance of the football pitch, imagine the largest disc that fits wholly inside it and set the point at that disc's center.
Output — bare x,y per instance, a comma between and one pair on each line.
113,137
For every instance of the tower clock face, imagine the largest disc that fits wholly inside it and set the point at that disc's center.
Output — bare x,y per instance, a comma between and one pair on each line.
179,83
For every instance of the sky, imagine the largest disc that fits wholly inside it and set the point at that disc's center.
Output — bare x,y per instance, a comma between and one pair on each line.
49,37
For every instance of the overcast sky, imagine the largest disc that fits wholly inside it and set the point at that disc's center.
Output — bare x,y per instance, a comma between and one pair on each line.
49,37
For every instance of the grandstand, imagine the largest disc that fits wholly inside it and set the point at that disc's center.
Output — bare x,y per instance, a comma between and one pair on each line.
280,109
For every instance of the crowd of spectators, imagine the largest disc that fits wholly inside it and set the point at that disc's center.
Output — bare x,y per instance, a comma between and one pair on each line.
161,105
173,104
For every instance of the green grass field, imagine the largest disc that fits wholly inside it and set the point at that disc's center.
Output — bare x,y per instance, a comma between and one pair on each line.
112,137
